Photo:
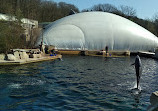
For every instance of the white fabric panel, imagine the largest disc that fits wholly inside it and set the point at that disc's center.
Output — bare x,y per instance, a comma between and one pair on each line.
95,30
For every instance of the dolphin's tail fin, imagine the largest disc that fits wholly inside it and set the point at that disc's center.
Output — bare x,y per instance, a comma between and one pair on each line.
137,82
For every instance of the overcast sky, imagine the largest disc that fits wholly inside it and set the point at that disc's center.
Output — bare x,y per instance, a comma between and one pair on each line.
144,8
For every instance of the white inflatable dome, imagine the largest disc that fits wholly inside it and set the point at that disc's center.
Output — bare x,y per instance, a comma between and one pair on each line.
95,30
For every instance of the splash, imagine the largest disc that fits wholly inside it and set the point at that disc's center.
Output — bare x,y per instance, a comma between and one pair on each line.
135,87
135,90
16,86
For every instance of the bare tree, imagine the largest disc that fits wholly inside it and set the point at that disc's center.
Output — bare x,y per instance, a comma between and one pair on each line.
128,11
155,20
105,8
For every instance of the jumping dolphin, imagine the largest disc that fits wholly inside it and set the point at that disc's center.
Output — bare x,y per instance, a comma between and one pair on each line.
138,69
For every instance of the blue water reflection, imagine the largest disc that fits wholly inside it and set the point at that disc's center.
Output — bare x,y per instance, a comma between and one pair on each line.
77,83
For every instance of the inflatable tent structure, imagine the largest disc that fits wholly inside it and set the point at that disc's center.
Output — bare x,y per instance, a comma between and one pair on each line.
95,30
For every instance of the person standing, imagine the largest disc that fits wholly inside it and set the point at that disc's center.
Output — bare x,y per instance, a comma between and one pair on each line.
106,49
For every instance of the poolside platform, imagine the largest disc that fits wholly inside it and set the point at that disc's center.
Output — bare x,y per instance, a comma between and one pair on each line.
95,53
144,54
111,53
30,60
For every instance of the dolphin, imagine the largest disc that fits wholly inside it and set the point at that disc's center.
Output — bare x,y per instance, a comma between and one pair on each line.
138,69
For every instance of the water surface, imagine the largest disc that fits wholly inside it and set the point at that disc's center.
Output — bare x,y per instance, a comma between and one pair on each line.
77,83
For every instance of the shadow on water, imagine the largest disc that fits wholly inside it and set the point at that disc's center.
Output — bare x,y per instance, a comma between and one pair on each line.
136,94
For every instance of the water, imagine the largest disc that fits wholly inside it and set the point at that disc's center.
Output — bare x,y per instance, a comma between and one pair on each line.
77,83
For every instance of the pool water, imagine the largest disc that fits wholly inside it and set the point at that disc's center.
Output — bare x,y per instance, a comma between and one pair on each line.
78,83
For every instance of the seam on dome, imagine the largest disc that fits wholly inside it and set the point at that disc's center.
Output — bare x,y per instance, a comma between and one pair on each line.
83,34
72,25
77,27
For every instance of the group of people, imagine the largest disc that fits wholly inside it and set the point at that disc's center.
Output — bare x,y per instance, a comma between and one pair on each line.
104,51
46,50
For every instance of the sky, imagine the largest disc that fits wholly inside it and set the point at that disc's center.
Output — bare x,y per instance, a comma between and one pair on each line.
145,9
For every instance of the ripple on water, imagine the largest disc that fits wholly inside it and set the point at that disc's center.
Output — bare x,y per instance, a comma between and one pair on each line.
77,83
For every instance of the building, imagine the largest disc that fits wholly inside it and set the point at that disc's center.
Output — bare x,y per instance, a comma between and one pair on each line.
95,30
28,25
